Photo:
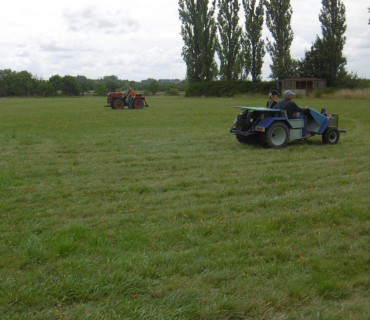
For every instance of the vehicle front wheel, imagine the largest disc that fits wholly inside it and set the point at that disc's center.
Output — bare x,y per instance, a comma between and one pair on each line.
276,136
330,136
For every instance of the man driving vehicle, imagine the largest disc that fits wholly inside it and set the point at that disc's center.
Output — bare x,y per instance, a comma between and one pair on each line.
128,95
290,106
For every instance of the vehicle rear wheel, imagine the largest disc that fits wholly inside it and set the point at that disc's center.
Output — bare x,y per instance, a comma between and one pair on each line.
138,104
276,136
118,104
330,136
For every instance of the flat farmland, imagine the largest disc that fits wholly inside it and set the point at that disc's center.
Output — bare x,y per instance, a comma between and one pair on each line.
161,213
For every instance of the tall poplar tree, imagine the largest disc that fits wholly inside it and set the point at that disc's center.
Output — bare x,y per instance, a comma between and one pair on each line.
254,16
333,26
198,31
229,49
246,59
278,20
312,65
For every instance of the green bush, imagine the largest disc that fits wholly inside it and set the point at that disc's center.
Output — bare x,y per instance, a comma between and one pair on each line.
172,92
147,93
329,90
100,89
46,88
70,86
228,88
319,92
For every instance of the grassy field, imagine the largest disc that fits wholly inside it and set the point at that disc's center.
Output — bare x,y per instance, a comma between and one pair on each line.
161,214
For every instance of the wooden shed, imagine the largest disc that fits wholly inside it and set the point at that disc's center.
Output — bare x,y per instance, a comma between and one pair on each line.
301,86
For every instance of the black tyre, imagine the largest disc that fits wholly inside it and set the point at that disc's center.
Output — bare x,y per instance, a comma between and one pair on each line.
276,136
118,104
138,103
330,136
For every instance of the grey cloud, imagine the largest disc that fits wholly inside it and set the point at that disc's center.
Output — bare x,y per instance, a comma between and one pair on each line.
63,47
66,56
51,47
93,19
23,54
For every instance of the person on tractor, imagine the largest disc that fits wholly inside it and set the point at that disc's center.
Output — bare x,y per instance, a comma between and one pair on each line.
290,106
128,95
272,99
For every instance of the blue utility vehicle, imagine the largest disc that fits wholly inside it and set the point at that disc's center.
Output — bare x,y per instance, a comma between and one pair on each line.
273,129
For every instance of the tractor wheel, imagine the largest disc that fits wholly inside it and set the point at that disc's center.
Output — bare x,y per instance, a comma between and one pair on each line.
118,104
330,136
276,136
138,104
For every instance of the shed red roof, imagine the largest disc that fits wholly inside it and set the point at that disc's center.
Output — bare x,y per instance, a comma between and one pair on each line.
303,79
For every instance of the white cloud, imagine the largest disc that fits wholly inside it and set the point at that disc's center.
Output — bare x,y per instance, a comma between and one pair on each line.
94,19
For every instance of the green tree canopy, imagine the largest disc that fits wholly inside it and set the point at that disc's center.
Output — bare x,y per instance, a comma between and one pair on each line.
229,48
333,27
198,31
112,77
278,20
311,66
100,89
112,86
254,17
7,77
46,88
154,86
13,83
25,83
82,83
56,80
70,86
133,84
90,84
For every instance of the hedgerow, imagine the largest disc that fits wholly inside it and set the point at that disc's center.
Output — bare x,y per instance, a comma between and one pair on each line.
228,88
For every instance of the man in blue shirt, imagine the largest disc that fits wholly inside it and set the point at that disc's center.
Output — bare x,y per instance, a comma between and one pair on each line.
290,106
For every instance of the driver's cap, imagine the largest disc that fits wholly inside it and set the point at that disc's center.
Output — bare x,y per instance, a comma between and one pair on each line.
288,92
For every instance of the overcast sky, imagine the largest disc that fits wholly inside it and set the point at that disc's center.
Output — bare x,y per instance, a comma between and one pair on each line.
138,39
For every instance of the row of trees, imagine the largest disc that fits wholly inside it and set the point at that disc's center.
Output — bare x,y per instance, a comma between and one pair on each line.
23,83
241,51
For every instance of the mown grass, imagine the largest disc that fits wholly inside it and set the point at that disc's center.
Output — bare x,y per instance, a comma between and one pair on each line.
161,214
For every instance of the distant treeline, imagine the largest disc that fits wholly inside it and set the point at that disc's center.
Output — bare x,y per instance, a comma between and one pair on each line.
23,83
228,88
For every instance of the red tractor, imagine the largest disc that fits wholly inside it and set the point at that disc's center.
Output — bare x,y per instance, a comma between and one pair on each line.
116,100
